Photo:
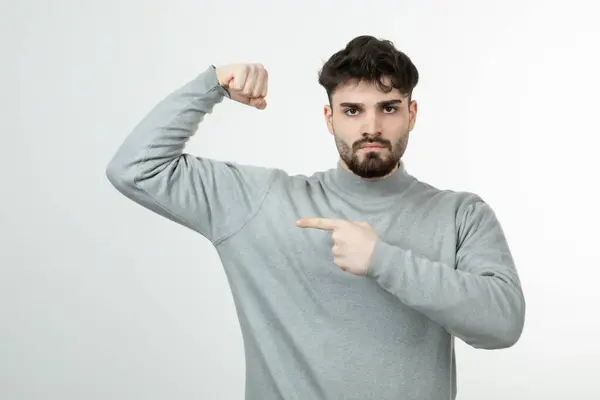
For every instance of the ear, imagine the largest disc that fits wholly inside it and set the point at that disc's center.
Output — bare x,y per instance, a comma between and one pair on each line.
328,114
412,113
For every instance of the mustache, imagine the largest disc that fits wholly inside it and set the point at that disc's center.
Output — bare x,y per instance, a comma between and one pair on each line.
383,143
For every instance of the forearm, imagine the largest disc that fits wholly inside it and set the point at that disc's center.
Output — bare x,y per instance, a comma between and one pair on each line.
161,136
485,309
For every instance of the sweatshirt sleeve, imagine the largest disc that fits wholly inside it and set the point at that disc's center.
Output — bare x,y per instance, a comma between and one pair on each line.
150,167
478,300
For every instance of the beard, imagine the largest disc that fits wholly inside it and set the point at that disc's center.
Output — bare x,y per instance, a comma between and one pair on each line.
374,164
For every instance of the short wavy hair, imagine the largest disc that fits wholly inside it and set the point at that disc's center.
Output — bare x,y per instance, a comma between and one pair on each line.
366,58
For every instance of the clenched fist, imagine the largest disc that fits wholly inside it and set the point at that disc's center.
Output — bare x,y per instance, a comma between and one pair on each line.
245,83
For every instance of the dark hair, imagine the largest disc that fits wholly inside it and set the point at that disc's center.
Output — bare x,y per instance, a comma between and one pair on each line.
369,59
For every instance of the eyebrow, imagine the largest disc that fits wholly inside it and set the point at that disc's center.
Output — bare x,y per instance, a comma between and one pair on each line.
384,103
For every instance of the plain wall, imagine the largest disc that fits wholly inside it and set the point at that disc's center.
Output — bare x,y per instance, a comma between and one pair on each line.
102,299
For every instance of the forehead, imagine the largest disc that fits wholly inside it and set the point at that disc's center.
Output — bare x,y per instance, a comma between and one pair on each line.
355,91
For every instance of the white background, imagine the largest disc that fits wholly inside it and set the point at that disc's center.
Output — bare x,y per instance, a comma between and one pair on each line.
101,299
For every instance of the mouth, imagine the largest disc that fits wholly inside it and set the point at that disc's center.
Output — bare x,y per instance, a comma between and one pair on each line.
372,147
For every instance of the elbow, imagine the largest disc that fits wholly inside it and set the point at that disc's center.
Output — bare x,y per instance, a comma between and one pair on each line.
119,176
504,337
505,333
509,337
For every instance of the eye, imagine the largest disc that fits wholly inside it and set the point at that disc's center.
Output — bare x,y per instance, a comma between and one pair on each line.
347,112
390,108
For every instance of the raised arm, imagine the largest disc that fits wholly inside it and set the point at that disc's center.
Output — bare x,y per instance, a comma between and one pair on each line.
150,167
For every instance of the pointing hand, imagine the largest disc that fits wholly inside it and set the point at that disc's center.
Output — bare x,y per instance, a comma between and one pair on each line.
353,242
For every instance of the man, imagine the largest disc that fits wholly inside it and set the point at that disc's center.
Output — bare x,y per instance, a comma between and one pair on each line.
351,283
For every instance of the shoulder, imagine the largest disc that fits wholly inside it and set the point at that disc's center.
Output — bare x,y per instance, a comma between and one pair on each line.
456,199
465,207
283,179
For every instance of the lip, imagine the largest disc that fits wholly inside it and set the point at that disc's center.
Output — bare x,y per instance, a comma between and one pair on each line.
372,147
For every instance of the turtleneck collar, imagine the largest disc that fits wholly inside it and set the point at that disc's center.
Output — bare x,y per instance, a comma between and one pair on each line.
353,185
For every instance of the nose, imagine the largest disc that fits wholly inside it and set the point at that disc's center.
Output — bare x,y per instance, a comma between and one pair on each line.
371,127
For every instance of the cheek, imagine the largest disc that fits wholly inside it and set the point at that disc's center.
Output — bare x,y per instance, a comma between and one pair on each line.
345,132
343,145
397,131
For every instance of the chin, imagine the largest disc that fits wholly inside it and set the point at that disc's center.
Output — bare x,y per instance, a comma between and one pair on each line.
371,174
373,167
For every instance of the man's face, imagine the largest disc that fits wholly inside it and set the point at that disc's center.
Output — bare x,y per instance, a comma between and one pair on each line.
370,127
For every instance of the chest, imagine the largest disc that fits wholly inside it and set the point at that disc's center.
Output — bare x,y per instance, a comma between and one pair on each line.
424,228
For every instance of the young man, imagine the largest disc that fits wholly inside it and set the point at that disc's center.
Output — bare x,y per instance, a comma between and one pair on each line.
351,283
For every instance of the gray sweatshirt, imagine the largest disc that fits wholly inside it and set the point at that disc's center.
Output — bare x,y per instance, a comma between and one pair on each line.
442,268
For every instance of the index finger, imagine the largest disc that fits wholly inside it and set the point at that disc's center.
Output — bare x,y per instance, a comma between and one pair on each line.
319,223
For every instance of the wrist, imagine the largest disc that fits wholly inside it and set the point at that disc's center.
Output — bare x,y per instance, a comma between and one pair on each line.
220,77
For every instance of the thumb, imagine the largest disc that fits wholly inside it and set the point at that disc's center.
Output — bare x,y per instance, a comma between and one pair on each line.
258,102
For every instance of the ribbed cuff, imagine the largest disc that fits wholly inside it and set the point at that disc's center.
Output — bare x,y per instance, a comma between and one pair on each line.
206,83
